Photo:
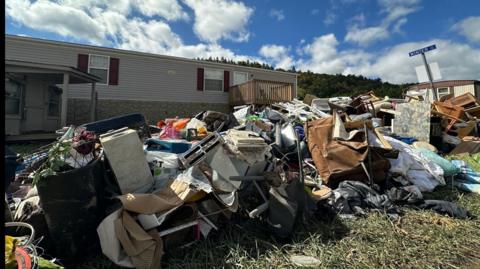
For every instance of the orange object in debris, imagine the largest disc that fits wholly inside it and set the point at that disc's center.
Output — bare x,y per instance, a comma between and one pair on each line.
180,124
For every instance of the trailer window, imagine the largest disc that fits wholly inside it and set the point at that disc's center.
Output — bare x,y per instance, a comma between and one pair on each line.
213,80
99,65
13,97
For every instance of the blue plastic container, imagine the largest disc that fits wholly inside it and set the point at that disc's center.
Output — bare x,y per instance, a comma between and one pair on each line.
171,146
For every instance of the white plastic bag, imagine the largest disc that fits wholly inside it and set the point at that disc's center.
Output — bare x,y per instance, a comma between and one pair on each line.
420,171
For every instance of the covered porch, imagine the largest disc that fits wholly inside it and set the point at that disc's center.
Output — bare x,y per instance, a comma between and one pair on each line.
36,96
261,92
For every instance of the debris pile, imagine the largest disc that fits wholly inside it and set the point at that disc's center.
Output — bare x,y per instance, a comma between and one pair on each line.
136,191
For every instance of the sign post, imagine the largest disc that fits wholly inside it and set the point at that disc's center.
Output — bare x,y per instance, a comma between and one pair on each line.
422,52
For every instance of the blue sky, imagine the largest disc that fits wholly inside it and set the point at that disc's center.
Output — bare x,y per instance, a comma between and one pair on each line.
363,37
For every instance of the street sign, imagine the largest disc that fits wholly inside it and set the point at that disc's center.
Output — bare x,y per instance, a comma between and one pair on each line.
420,51
422,73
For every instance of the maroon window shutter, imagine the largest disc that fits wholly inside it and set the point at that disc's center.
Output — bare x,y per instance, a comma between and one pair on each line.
82,62
113,71
226,80
200,79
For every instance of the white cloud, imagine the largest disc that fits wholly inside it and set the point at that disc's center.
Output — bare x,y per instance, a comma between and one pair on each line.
220,19
277,14
336,6
152,36
366,36
470,28
53,17
397,28
456,61
330,18
315,11
396,9
121,6
112,24
168,9
278,55
394,12
359,20
322,55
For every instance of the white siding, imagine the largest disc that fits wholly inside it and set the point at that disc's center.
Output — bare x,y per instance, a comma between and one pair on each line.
459,90
141,76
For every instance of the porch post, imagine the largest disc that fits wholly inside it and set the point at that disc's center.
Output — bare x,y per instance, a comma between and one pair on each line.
93,103
63,115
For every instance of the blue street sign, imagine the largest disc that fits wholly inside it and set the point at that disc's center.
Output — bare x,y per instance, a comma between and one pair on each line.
415,52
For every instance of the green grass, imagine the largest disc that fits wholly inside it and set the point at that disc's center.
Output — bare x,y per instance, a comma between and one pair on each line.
472,159
419,239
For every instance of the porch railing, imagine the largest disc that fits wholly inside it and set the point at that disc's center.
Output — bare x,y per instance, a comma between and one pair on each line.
260,92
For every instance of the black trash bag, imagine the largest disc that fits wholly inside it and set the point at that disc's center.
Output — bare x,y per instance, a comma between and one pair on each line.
401,196
355,198
73,205
445,207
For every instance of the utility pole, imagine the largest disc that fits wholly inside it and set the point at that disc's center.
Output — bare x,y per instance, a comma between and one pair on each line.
429,74
427,67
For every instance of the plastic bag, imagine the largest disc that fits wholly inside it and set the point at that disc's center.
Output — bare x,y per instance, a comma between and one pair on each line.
448,168
169,131
197,124
417,169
